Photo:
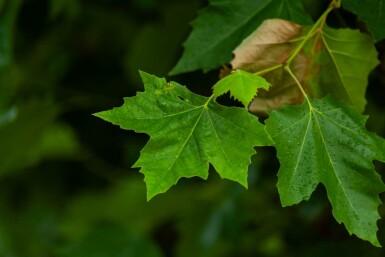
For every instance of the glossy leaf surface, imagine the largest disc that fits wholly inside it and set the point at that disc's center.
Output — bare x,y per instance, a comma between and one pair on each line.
327,143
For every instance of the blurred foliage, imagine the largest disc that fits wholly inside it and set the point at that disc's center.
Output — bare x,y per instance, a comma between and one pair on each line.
66,186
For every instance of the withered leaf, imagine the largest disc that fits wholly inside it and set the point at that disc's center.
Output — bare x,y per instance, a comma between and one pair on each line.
269,45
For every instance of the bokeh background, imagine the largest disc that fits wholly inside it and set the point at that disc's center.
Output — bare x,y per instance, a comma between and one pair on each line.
66,186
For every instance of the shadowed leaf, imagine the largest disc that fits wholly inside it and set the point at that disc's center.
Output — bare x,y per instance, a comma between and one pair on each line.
343,60
233,21
371,12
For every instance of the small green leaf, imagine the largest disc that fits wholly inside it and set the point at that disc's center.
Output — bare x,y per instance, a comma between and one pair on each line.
207,48
345,59
326,142
187,132
371,12
242,85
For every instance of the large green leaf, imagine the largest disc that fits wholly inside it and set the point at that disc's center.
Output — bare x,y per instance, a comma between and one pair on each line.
326,142
242,85
371,12
223,25
187,132
346,57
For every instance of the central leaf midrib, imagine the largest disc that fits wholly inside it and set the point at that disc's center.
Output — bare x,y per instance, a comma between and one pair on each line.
339,73
331,163
348,129
181,149
219,142
300,154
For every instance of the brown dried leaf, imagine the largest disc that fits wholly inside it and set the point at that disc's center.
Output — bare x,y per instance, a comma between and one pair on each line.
266,46
270,45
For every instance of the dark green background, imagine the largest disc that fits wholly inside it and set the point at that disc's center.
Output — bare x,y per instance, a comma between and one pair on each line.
66,186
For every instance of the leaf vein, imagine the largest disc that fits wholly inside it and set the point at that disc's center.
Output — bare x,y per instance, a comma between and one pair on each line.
336,65
332,163
181,149
219,141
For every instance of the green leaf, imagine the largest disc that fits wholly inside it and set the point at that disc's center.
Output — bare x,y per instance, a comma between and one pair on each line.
371,12
346,59
208,48
242,85
327,143
187,131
